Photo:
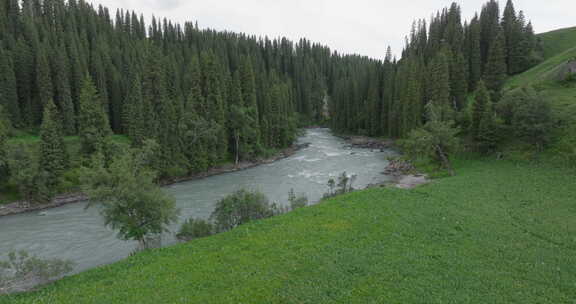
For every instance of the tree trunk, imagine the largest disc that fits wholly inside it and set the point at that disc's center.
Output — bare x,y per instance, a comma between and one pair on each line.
445,161
237,139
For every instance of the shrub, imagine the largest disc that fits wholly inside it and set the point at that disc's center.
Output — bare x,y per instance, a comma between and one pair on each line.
296,202
194,229
23,271
344,185
241,207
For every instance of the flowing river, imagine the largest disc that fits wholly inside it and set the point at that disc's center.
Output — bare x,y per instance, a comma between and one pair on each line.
74,233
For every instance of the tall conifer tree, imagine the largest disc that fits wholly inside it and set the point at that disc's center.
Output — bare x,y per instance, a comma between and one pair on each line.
53,155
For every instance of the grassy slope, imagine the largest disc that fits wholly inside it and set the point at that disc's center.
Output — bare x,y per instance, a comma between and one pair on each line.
558,41
496,233
559,46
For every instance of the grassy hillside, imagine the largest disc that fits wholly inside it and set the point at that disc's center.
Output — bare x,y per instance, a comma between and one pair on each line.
496,233
558,41
560,48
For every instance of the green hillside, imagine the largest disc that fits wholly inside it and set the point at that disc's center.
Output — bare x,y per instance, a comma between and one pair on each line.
560,49
498,232
558,41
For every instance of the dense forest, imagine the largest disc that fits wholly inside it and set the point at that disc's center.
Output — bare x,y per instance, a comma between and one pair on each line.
70,72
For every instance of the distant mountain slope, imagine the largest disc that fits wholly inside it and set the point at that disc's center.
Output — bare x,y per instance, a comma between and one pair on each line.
558,41
545,71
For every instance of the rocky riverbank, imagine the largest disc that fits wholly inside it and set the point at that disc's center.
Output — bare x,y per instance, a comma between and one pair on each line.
405,175
61,200
369,142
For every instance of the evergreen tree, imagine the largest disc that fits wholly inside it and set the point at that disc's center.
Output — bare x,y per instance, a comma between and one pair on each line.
8,88
63,91
495,72
25,71
479,107
44,88
439,86
251,140
474,54
134,124
458,81
4,128
53,155
93,122
488,134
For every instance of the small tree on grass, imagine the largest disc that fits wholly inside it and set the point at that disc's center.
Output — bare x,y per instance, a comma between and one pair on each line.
436,141
241,207
130,201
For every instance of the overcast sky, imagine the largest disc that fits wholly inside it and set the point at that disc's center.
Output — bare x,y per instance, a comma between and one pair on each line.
363,27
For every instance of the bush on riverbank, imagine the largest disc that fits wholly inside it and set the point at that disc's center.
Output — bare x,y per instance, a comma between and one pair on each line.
241,207
22,271
194,229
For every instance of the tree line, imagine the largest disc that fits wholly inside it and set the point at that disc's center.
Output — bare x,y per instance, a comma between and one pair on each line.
72,70
205,97
443,63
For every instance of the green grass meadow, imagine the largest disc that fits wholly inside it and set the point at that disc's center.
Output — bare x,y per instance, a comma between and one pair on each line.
498,232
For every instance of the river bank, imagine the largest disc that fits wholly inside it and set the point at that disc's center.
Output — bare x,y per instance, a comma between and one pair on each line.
19,207
404,175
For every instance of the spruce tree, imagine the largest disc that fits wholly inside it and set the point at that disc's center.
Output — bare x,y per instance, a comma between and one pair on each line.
480,105
458,81
474,54
4,128
249,98
44,87
488,134
495,72
439,86
93,122
8,88
53,156
63,91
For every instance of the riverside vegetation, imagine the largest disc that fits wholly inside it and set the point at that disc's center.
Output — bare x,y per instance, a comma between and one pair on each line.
487,101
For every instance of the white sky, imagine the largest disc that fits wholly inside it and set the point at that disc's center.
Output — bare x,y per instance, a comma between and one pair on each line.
363,27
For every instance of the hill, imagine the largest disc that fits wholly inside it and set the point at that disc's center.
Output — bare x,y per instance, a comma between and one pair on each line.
558,41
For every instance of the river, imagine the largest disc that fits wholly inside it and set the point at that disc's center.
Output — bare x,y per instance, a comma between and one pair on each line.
78,234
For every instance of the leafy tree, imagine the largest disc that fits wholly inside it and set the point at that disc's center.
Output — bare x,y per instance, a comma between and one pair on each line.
24,170
533,120
241,207
129,200
436,141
